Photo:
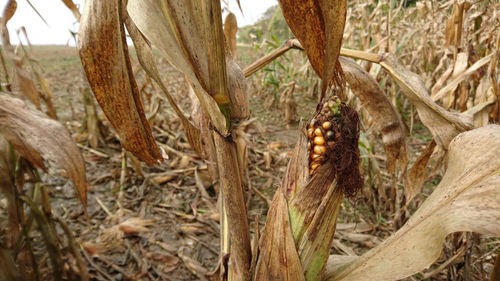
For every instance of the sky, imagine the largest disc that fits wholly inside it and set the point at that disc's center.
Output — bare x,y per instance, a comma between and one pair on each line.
60,20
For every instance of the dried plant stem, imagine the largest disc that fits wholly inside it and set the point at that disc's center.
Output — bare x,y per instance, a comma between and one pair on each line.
123,175
260,63
9,192
82,266
4,67
295,44
49,237
8,267
231,182
495,273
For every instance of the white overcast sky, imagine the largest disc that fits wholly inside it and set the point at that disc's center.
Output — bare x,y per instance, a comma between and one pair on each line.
60,20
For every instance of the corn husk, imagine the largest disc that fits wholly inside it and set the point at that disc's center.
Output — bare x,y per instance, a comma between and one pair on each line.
300,225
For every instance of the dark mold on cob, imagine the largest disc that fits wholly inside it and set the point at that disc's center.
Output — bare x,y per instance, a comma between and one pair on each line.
333,135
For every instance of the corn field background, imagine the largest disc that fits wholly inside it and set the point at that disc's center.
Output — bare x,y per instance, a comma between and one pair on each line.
163,221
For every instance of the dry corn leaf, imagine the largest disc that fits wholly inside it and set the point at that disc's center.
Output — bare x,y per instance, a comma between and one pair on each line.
462,76
43,141
454,25
7,189
387,120
195,267
22,81
9,11
104,55
135,225
484,96
230,29
465,200
179,30
319,26
71,5
417,174
146,59
444,125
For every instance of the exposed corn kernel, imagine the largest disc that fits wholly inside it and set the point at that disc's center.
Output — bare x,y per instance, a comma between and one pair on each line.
319,141
327,125
314,166
310,133
330,135
319,149
318,132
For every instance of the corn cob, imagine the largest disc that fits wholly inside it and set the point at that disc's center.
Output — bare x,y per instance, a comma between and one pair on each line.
333,162
301,221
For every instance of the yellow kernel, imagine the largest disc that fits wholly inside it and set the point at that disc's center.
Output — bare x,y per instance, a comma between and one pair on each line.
314,166
318,132
319,149
319,140
310,133
327,125
314,156
309,145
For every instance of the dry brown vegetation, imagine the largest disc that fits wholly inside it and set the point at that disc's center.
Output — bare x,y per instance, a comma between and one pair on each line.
231,191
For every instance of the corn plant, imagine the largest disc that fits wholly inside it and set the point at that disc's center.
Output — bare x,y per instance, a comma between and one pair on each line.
300,225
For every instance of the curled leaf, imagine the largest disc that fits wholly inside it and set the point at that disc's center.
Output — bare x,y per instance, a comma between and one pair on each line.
22,81
385,117
43,141
104,55
319,26
417,174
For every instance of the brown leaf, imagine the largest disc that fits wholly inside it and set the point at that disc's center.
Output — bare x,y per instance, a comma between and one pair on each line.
73,8
417,174
230,29
384,115
462,76
22,81
194,266
319,26
135,225
278,259
454,25
9,11
104,55
466,199
43,141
